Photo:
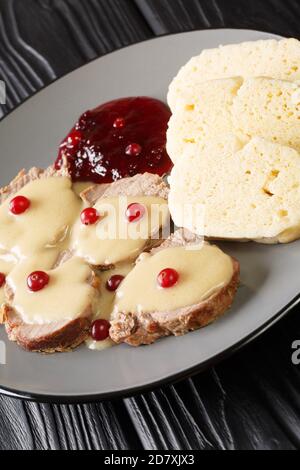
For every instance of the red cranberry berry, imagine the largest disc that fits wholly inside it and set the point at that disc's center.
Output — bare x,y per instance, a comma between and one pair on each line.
119,123
133,150
167,278
37,281
135,212
2,279
89,216
114,282
100,330
74,138
19,205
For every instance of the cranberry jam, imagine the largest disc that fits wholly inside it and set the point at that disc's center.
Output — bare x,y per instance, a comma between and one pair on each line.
118,139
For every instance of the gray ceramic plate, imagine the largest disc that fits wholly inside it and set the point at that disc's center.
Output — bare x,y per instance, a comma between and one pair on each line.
270,274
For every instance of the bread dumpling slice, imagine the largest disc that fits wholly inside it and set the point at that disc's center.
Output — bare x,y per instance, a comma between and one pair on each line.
202,114
249,192
268,108
264,58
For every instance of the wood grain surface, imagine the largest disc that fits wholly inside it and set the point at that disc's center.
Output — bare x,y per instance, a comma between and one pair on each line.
251,401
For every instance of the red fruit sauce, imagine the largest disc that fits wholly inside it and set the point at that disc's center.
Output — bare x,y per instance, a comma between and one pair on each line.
118,139
37,281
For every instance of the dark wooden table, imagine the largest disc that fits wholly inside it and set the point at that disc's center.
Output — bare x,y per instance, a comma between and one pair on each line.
251,401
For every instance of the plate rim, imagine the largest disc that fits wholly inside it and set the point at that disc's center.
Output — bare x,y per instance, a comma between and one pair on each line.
173,378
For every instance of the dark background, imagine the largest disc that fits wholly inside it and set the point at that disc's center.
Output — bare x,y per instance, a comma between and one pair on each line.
251,401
